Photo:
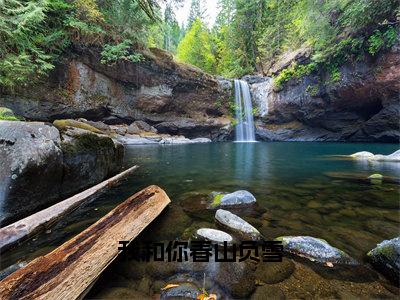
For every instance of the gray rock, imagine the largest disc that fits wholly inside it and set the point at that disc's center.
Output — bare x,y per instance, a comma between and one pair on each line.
39,167
143,126
238,198
386,258
185,290
133,129
315,249
175,140
30,168
88,158
99,125
237,224
214,235
121,130
11,269
201,140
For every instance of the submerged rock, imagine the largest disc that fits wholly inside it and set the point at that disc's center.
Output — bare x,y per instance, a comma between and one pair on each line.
236,277
121,293
240,197
214,235
315,249
386,258
185,290
375,176
274,272
267,292
236,224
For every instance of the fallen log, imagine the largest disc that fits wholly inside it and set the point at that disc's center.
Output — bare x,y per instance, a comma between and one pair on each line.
68,271
25,228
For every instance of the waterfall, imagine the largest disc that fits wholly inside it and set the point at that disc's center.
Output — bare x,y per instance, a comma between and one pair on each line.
244,113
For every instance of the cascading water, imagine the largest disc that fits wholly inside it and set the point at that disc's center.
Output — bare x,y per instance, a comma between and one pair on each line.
244,113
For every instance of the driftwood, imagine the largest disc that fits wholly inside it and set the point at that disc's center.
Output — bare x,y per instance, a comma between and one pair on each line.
22,229
70,270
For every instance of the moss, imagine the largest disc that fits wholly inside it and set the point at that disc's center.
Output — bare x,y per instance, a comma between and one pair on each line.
386,251
7,114
63,124
217,200
89,143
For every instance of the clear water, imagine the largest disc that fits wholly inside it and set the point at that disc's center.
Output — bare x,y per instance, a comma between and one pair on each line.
244,112
301,189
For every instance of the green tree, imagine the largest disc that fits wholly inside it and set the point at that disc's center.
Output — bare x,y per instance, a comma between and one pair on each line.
196,47
196,12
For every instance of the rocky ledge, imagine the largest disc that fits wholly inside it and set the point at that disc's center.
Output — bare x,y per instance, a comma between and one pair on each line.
361,106
41,164
177,99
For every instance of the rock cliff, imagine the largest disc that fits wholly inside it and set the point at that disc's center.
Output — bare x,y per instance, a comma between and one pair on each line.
362,106
175,98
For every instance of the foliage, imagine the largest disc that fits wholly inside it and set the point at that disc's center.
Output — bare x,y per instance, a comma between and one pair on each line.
31,36
196,48
380,40
113,53
294,71
247,37
8,115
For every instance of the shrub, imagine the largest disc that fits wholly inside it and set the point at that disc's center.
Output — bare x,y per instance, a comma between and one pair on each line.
113,53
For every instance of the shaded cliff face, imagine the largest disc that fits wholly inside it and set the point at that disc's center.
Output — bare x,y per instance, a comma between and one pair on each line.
157,90
362,106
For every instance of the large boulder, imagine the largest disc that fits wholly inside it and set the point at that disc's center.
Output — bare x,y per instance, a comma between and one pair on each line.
39,166
88,158
237,225
30,168
315,249
386,258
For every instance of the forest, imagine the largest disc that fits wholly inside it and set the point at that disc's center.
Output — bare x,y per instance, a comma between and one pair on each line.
246,37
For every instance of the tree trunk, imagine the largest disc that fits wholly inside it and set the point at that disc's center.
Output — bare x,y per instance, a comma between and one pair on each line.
71,269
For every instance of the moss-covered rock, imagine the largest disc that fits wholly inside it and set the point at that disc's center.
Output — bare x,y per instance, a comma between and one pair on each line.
8,115
88,158
63,125
386,258
216,199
